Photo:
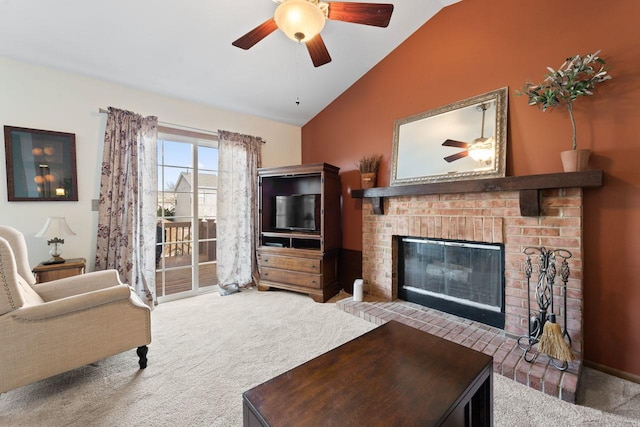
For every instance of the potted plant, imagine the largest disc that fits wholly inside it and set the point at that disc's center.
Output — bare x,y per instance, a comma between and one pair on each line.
368,166
576,77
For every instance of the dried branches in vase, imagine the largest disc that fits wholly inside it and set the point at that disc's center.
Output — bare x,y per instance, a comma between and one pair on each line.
368,167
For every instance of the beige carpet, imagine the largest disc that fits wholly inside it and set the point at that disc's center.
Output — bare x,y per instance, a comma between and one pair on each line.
207,350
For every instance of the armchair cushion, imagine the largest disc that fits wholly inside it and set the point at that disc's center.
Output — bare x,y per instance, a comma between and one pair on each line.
29,296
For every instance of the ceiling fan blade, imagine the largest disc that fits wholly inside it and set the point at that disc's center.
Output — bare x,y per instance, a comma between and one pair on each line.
318,51
255,35
376,14
457,156
454,143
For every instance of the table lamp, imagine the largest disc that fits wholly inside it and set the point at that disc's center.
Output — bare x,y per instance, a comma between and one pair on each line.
55,228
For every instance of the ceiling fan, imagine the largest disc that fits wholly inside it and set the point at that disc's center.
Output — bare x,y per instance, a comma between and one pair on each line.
302,21
481,149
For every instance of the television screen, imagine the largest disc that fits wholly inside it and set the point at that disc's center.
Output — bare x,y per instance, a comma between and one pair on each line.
298,212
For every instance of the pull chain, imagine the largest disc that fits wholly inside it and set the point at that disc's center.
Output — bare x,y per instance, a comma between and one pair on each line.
298,74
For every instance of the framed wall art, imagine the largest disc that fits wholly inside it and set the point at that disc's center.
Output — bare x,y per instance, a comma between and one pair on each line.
463,140
41,165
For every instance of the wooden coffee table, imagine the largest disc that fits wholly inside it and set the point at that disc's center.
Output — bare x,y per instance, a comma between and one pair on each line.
394,375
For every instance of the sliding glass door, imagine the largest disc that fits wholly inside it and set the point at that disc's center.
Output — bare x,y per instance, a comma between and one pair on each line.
186,229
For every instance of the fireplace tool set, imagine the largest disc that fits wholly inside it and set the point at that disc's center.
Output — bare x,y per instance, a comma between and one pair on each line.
543,329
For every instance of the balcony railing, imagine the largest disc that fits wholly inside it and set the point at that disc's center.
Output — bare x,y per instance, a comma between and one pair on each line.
175,249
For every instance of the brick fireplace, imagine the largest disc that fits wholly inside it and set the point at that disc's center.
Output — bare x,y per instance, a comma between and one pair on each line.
492,217
515,212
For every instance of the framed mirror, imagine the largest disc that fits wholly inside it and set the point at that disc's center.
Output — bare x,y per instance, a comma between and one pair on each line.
41,165
463,140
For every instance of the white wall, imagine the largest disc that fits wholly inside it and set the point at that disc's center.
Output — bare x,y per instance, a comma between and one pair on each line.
43,98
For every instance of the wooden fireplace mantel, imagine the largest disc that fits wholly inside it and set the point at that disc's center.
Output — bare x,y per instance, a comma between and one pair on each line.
529,187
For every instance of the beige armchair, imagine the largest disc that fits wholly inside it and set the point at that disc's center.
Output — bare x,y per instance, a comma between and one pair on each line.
53,327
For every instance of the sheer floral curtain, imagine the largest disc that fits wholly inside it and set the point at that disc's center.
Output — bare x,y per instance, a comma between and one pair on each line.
238,163
128,200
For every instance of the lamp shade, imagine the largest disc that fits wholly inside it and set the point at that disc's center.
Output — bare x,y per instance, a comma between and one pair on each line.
56,226
300,20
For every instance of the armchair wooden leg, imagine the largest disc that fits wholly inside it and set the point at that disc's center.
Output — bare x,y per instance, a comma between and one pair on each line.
142,354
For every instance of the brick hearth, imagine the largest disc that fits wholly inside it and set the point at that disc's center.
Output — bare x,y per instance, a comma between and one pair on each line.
492,217
507,356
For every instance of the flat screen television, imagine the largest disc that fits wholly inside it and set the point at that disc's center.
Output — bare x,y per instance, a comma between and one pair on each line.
297,212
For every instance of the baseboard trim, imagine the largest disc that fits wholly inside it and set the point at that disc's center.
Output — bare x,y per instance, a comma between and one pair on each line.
611,371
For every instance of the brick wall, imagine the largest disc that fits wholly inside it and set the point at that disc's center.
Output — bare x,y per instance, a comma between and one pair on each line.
492,217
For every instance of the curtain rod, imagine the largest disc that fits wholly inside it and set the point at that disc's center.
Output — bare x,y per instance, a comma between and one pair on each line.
104,111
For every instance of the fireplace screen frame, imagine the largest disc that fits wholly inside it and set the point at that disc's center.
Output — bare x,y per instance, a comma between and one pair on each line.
492,316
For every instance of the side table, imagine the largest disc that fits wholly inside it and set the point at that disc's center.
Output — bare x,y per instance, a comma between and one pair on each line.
71,267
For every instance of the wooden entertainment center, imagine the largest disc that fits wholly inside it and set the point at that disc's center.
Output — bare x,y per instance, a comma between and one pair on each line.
300,255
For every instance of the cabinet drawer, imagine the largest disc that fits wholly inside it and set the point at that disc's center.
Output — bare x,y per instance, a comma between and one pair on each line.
307,265
291,277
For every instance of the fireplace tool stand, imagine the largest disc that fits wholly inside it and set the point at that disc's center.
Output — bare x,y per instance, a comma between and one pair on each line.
544,295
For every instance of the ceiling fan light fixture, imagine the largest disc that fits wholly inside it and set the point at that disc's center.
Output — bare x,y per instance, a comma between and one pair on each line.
481,150
300,20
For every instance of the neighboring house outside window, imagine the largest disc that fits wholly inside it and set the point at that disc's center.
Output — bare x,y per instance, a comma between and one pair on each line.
207,195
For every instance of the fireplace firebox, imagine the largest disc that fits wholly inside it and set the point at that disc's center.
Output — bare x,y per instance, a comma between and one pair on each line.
458,277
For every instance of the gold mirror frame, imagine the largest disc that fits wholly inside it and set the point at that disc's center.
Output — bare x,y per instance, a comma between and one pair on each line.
419,148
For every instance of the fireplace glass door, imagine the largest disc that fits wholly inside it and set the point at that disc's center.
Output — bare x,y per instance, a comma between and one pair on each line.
462,278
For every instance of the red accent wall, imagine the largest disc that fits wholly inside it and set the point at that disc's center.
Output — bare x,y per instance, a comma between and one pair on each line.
476,46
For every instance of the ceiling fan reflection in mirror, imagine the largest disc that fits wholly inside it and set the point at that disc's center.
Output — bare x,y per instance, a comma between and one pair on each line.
303,20
480,149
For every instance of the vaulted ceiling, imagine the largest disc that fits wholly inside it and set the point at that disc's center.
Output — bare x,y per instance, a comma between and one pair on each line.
183,49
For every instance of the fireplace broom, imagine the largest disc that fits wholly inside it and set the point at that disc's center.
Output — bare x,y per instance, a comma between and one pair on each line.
552,341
